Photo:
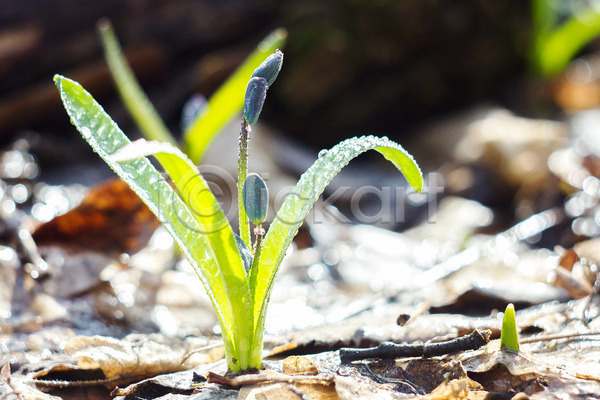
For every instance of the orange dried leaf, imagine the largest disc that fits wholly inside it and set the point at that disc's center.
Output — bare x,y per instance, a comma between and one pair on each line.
110,219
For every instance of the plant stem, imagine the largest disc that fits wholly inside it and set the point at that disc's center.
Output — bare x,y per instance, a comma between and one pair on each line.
242,173
259,232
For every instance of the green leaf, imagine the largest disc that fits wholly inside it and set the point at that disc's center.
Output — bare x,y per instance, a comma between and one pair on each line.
225,284
562,44
132,94
302,198
215,228
509,337
228,100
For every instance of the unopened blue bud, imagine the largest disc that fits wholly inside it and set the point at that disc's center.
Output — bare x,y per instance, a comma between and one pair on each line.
256,92
270,68
256,198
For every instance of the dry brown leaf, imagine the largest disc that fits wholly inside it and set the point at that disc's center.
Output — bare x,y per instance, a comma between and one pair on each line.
270,391
135,355
281,390
110,219
567,259
576,288
460,389
175,386
349,388
19,387
576,94
500,371
110,362
299,365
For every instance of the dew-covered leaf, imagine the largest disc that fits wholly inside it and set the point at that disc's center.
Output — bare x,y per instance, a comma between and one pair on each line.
215,228
105,137
303,196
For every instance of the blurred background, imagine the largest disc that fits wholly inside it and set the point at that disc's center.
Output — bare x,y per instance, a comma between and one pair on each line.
482,92
351,66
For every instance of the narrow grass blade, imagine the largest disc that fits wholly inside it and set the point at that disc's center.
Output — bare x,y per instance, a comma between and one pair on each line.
228,100
132,94
298,204
105,137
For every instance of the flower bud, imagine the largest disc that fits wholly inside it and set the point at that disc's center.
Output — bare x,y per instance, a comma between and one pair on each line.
256,92
270,68
256,198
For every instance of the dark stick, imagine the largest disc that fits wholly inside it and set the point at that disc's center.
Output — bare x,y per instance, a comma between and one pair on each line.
390,350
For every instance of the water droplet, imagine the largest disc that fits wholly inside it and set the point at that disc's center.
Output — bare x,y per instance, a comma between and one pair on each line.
86,132
78,89
323,153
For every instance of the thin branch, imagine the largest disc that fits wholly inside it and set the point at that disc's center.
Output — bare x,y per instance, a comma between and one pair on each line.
548,338
390,350
297,392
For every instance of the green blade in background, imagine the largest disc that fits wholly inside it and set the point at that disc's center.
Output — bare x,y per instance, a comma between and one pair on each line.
228,100
132,94
560,45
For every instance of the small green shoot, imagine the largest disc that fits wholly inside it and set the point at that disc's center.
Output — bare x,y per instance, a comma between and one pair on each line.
559,34
509,337
238,280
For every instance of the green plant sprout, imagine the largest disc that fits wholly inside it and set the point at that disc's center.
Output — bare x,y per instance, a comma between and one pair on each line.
509,337
238,275
556,38
222,107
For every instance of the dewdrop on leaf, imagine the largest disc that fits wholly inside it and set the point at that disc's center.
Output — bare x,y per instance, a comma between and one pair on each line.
256,92
256,198
270,68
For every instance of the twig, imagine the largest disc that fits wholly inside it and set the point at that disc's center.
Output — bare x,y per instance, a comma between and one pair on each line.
187,355
405,384
301,395
253,379
390,350
5,375
548,338
7,395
